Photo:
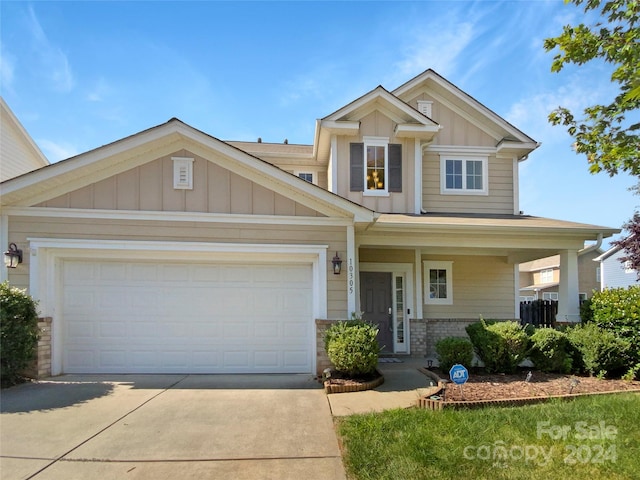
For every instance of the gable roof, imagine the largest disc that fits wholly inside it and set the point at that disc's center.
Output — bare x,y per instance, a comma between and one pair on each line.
507,136
18,151
140,148
609,253
346,120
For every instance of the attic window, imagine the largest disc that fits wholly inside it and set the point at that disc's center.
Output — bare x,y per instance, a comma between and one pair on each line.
424,107
182,173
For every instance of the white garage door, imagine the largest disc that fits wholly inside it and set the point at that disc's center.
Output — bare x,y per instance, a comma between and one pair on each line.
150,317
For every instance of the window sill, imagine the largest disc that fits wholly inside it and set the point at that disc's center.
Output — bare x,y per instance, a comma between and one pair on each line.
375,193
476,193
441,301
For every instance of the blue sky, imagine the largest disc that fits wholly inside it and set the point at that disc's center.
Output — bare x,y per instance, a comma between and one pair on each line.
82,74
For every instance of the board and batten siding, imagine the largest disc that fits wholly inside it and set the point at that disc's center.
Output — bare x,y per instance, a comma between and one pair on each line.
498,201
22,228
482,285
377,124
150,188
456,130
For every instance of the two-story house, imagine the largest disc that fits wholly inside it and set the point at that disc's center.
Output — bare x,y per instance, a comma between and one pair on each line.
539,279
173,251
616,273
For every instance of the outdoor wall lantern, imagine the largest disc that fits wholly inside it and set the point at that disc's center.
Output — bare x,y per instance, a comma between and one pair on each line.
13,256
337,264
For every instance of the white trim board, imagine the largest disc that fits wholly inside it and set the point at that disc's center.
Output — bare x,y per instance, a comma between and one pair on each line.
152,215
47,255
405,269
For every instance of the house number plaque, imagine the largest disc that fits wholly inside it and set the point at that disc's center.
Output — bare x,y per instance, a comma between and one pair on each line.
351,282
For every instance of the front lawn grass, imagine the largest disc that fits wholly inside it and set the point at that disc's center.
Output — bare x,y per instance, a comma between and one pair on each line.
587,438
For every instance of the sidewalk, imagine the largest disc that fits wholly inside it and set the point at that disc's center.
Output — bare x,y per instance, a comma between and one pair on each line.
403,385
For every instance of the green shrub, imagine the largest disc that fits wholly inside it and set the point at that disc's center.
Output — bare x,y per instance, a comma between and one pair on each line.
487,345
551,351
601,351
633,373
18,332
586,313
618,311
516,344
452,350
353,347
500,345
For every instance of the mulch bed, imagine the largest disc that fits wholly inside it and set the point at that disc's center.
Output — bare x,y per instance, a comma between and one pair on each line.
500,386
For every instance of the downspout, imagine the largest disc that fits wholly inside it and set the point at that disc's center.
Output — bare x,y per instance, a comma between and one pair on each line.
593,247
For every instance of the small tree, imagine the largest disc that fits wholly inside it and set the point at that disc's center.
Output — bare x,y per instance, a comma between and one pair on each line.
605,133
18,332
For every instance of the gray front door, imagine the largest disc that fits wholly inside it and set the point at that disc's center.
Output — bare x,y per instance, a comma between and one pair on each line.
376,305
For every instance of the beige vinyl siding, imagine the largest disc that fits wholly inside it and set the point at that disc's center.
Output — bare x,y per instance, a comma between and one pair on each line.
587,270
378,255
537,276
482,285
15,159
18,155
498,201
150,188
21,228
377,124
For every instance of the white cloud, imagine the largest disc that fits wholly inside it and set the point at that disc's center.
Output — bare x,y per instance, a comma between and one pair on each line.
52,59
7,69
440,51
56,151
100,90
530,114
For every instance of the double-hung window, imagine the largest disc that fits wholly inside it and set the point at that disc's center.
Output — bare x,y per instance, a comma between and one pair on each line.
546,275
464,175
438,283
376,166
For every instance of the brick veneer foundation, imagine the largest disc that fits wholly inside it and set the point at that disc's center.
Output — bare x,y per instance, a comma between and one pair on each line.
41,365
322,359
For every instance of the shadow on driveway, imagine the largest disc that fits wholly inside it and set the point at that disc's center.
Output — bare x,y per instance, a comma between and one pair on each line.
35,396
70,390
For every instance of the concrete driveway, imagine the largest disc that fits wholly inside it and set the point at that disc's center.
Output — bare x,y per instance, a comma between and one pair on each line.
169,426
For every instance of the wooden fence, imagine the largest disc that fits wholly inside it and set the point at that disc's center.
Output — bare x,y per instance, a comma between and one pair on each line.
539,313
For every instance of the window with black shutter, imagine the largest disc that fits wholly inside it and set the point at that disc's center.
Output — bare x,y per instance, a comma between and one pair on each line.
375,166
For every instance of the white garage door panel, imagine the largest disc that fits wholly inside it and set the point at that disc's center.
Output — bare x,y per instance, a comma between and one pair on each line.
122,317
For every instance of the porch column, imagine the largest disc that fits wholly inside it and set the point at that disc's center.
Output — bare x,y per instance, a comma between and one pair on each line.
568,299
4,244
352,277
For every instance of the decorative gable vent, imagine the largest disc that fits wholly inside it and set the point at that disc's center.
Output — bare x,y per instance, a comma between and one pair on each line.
424,107
182,173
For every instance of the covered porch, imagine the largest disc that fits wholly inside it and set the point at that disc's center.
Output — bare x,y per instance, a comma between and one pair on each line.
409,272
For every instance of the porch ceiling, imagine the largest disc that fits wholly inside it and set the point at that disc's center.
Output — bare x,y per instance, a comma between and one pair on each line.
519,238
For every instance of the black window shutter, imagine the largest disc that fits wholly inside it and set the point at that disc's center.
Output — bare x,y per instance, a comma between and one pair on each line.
395,167
357,167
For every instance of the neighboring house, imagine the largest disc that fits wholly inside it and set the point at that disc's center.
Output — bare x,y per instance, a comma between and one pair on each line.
173,251
18,152
539,279
614,273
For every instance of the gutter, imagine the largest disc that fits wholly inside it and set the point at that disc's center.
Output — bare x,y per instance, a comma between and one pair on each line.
593,247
